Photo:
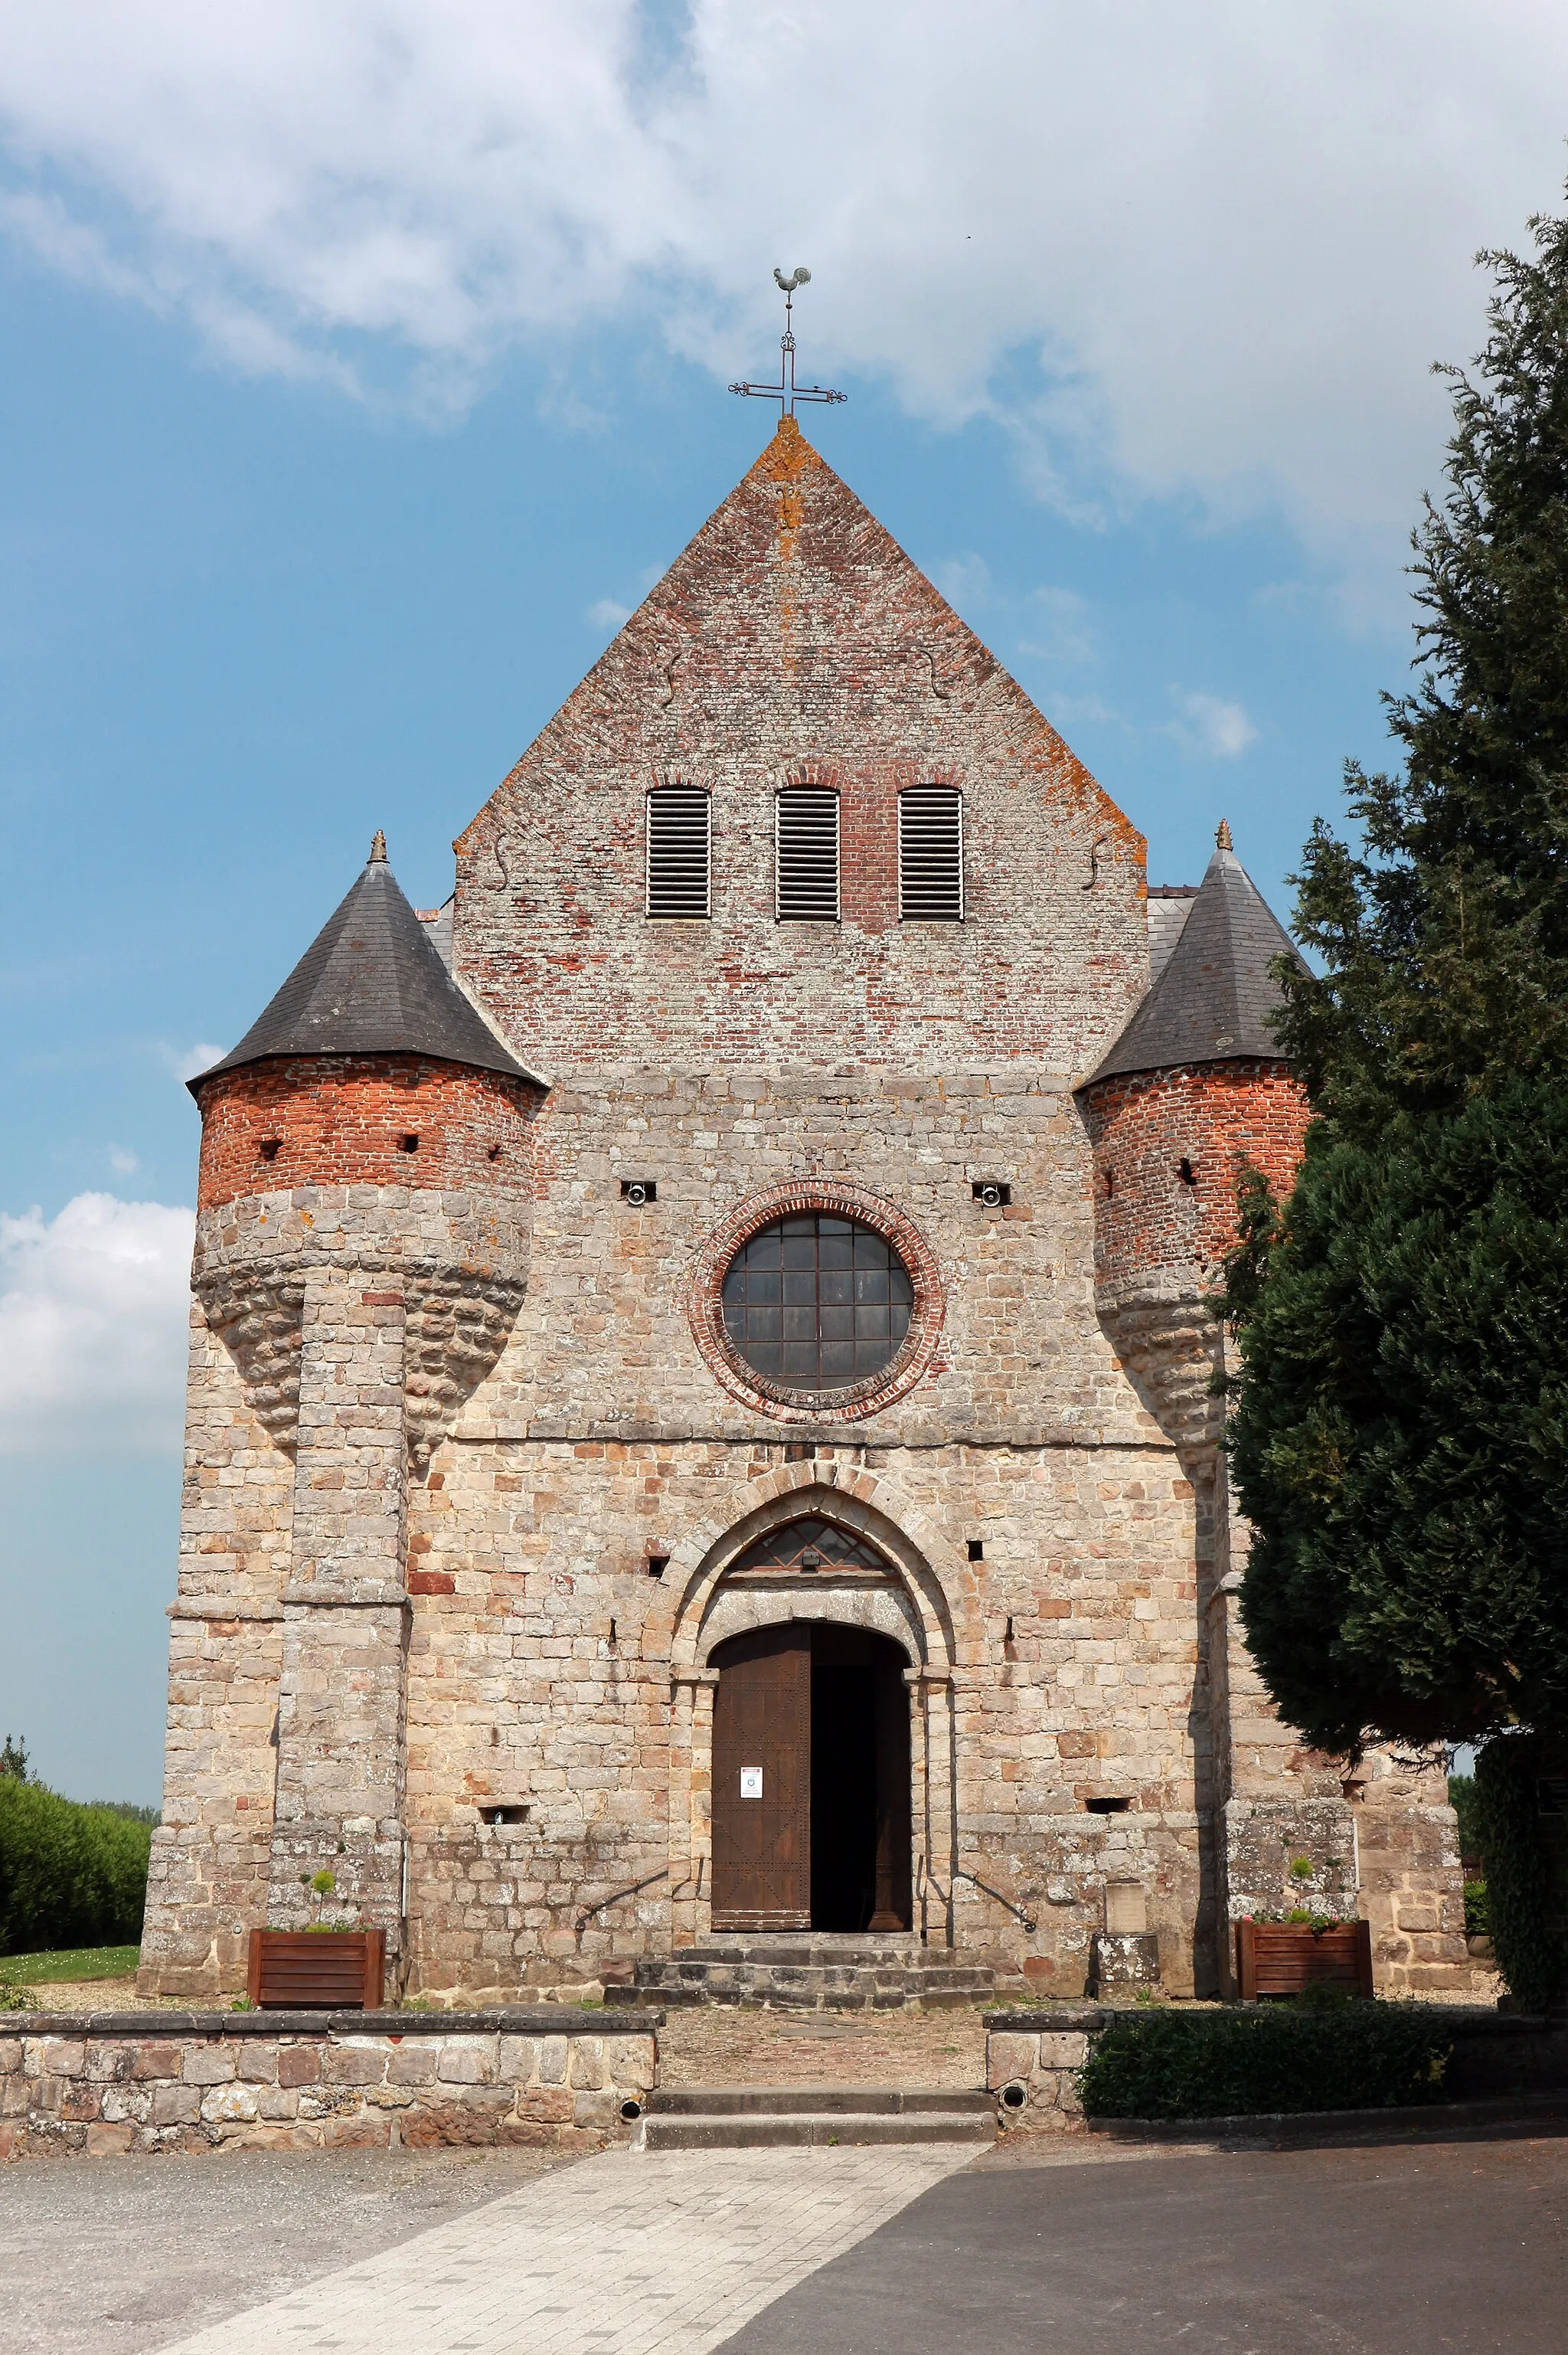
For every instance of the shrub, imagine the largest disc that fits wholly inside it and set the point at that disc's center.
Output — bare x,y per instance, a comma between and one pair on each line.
1476,1922
1462,1798
1518,1870
69,1875
1335,2055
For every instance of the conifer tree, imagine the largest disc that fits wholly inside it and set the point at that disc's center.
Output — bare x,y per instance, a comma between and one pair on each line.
1400,1435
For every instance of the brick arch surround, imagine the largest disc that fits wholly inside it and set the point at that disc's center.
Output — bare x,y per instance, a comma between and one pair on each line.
931,1579
915,1359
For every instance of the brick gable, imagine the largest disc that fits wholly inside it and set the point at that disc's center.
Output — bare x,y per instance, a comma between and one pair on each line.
794,642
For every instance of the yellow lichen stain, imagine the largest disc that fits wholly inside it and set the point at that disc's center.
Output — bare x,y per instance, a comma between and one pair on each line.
787,456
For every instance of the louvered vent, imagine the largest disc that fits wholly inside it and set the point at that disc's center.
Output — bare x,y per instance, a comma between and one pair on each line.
680,852
808,856
931,855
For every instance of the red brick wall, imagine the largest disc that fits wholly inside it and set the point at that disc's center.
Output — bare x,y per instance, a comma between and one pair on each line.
340,1121
1208,1115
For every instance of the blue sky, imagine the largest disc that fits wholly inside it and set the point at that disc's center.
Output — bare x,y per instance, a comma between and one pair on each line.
330,450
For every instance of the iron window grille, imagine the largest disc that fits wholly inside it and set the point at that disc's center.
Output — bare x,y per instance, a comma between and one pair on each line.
931,855
815,1302
680,853
810,1544
806,856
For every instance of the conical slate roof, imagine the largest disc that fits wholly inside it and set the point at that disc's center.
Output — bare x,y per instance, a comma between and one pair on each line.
1213,997
371,982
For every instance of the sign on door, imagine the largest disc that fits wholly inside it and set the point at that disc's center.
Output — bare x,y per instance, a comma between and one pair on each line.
751,1782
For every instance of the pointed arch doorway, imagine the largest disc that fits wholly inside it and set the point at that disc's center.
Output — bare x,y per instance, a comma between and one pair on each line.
810,1759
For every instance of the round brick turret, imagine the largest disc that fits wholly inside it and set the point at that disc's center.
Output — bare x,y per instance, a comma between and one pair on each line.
363,1228
369,1119
1194,1091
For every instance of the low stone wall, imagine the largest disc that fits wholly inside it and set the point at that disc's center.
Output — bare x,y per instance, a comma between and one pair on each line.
1039,2052
109,2082
1036,2054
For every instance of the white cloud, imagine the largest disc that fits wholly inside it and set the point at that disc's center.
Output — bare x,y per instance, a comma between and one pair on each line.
606,613
94,1307
1209,725
1231,237
965,581
184,1062
123,1161
1058,628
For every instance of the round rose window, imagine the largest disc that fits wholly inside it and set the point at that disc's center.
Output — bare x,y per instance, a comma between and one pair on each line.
816,1302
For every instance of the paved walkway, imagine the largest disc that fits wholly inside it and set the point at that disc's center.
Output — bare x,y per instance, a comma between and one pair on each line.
721,2045
621,2256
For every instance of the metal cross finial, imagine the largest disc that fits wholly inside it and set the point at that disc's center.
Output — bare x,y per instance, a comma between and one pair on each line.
786,392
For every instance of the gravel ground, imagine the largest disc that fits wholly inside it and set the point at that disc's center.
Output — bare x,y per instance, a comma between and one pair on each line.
722,2045
118,2256
99,1995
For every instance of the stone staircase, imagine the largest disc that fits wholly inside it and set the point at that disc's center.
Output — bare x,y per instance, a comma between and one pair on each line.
812,1971
770,2117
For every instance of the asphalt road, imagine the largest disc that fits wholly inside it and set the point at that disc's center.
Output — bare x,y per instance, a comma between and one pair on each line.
1435,2249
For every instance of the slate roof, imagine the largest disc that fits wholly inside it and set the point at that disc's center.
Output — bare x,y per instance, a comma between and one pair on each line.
372,982
1213,999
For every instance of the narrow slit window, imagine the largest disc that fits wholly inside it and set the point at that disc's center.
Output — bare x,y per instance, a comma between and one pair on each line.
680,853
931,855
807,855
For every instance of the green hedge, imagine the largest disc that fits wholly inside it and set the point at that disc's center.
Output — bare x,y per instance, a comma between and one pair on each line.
69,1875
1530,1954
1226,2064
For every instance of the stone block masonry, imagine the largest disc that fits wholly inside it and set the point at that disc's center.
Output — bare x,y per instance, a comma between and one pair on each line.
479,1483
108,2083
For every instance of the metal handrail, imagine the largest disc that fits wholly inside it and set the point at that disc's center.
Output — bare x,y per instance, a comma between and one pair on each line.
632,1890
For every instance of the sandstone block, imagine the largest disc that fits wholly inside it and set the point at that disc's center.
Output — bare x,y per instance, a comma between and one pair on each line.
354,2064
226,2103
585,2066
411,2064
175,2105
108,2141
519,2059
1008,2057
1064,2051
467,2061
633,2061
207,2064
546,2106
299,2064
156,2061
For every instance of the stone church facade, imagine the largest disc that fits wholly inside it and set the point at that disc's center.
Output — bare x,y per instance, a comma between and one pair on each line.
699,1415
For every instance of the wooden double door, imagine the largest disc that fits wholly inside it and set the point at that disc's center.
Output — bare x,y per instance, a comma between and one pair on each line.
810,1781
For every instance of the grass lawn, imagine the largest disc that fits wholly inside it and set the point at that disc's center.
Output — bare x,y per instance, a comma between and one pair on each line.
72,1962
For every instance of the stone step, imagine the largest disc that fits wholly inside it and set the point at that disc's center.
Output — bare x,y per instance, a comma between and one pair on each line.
773,2118
816,1973
762,2101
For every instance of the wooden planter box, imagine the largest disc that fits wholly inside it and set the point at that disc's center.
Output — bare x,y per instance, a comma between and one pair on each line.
317,1970
1283,1957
